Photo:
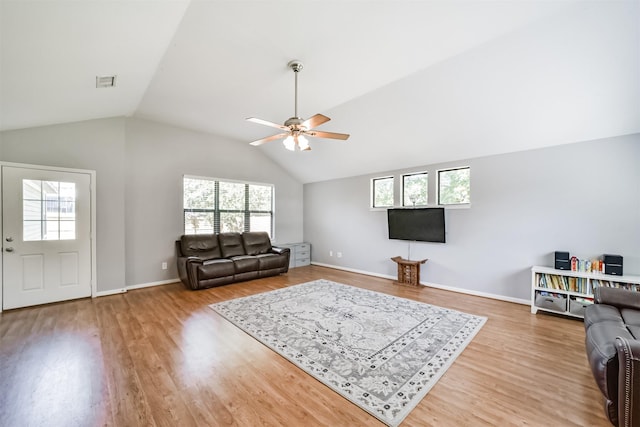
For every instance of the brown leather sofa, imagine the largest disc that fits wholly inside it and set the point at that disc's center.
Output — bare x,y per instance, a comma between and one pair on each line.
612,327
208,260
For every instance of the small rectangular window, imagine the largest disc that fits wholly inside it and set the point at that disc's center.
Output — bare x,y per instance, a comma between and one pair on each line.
48,210
415,189
382,192
454,186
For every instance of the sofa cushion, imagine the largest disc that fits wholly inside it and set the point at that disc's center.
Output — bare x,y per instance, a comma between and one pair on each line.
245,263
256,242
231,244
271,261
204,246
631,318
215,268
601,313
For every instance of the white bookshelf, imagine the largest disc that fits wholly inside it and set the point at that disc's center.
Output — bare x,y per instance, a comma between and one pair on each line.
569,292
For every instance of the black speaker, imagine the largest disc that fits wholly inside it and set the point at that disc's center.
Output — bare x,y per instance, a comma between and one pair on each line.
562,261
613,264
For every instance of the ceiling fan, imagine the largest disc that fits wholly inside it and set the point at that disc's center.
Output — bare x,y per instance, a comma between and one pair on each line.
295,127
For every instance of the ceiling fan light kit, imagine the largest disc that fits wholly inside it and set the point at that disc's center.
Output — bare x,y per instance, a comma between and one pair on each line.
295,127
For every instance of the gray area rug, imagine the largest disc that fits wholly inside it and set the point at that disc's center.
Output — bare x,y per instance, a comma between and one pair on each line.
381,352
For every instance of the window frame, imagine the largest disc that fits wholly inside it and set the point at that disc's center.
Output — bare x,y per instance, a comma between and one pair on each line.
217,211
372,204
403,189
438,187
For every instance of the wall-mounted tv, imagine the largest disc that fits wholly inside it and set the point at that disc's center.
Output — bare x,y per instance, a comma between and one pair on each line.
417,224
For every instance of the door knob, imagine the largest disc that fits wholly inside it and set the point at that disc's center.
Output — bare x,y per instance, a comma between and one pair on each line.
9,249
9,239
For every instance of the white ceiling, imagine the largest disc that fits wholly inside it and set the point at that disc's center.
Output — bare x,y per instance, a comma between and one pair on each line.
413,82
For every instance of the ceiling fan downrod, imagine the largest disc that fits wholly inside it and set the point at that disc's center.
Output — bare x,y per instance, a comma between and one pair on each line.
296,66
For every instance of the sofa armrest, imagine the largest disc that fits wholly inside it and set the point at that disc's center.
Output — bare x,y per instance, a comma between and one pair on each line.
188,270
279,251
628,381
617,297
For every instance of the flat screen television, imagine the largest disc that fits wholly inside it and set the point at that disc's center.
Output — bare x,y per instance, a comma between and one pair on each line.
417,224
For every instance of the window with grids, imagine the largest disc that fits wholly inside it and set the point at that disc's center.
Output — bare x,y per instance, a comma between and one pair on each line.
48,210
216,206
454,186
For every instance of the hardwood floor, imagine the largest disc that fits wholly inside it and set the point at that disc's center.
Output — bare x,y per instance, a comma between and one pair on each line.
160,356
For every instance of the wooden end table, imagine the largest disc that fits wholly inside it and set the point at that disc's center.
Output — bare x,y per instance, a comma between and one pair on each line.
408,271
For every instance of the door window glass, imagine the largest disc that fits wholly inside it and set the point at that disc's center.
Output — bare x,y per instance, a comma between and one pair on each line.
48,210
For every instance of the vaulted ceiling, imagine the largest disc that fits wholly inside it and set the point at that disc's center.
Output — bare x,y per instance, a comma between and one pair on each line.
413,82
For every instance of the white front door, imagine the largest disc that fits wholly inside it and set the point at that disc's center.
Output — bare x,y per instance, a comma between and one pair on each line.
46,242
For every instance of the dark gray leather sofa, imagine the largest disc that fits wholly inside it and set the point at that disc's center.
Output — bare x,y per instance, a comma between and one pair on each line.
612,328
208,260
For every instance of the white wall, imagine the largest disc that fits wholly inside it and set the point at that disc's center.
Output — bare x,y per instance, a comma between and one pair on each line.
139,167
157,157
582,198
96,145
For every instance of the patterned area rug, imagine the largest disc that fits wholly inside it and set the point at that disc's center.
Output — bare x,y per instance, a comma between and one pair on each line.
381,352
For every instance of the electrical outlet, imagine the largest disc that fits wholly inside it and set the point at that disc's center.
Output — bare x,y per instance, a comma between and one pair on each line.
339,254
164,265
330,253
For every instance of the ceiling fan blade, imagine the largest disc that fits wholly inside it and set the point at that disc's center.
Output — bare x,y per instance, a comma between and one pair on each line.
314,121
329,135
266,123
269,138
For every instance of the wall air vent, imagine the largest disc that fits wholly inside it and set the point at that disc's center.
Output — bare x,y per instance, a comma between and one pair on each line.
105,81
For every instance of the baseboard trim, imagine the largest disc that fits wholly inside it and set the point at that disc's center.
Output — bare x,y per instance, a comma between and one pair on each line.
110,292
150,284
132,287
431,285
478,293
353,270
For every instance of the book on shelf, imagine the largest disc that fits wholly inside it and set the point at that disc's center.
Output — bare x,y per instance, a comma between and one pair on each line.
584,300
580,285
551,294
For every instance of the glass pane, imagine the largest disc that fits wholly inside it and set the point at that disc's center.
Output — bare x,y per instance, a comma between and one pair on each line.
31,189
68,191
67,200
415,189
198,222
260,222
232,196
32,210
51,207
454,186
260,197
231,221
199,194
51,194
67,230
50,231
31,230
383,192
67,208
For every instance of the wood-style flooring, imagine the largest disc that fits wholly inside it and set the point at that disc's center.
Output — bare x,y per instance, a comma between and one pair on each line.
161,357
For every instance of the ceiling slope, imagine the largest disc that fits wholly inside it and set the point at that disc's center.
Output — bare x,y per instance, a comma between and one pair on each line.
413,82
53,50
572,78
